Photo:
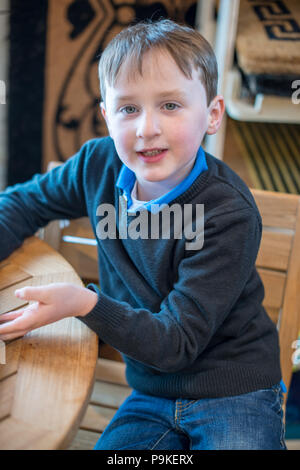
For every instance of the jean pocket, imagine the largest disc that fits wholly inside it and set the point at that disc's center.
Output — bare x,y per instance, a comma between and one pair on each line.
278,408
273,398
278,398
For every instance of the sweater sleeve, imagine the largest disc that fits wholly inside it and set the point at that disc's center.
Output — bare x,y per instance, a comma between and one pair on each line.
209,283
24,208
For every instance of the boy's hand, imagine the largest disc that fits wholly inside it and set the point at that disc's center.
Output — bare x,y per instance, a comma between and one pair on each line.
50,303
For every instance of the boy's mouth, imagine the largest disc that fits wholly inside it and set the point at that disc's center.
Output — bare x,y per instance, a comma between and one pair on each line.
152,155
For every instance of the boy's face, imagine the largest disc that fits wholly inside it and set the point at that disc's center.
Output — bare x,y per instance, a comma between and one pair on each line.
158,119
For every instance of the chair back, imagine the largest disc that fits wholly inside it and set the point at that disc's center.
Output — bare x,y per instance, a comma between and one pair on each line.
278,264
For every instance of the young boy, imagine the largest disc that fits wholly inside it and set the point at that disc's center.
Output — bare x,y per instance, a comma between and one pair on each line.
201,354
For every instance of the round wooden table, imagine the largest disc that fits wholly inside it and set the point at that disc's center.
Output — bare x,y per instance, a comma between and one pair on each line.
47,376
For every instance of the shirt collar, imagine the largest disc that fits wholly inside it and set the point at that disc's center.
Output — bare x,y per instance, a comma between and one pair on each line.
126,180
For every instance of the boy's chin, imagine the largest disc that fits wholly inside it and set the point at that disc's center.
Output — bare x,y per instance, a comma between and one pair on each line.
153,178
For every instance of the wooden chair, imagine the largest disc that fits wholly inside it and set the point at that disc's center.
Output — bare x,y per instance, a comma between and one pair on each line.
75,240
278,263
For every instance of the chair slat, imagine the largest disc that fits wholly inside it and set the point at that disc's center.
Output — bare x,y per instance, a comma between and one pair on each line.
106,394
274,283
275,249
277,211
84,440
97,418
81,259
111,371
79,227
290,318
273,313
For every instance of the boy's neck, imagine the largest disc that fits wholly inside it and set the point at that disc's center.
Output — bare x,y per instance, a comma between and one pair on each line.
149,190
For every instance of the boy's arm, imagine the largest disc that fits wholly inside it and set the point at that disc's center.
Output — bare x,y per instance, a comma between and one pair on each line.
210,281
24,208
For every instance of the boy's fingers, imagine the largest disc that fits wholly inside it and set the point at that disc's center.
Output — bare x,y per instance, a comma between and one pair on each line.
32,293
8,329
10,315
9,336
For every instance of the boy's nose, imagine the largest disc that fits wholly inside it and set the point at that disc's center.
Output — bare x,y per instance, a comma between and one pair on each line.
148,125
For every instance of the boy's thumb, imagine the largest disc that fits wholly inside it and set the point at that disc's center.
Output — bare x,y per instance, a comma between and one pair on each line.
31,293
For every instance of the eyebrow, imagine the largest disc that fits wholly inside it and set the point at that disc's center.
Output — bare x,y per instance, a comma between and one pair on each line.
163,94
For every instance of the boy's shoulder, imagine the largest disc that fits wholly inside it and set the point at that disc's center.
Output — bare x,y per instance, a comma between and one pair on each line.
99,146
99,154
225,188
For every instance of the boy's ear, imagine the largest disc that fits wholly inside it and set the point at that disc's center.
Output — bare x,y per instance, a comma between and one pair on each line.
103,110
104,114
216,112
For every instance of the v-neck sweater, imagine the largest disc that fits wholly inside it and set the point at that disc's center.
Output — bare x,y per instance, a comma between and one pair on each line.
188,322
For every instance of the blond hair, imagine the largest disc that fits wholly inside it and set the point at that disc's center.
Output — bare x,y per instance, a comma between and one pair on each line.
188,48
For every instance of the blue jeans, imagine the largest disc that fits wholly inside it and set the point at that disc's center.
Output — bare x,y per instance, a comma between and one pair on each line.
249,421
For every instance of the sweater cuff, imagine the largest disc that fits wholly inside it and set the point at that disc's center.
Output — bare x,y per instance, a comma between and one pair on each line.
106,316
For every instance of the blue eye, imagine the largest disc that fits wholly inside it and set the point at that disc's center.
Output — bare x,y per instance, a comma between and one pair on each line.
128,110
171,106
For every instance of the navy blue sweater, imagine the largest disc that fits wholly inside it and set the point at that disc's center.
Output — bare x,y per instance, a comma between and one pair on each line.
190,323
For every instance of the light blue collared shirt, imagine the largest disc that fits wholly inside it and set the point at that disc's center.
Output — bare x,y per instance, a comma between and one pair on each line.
126,180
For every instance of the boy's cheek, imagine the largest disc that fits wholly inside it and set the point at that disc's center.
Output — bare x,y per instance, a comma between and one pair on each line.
124,137
124,147
188,138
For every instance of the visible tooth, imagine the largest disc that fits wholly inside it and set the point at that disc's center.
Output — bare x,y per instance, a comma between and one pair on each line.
152,153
